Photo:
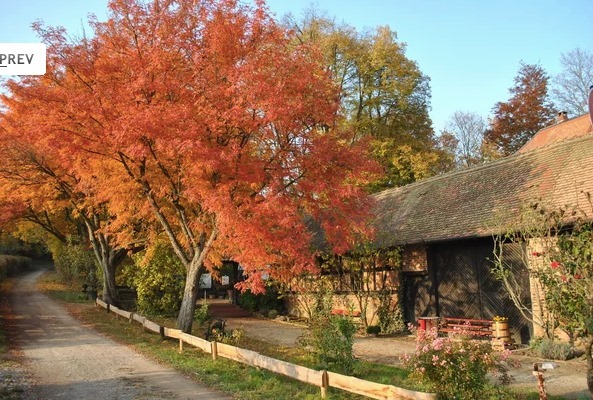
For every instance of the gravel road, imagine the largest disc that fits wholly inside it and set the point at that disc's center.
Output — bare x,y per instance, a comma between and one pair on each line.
69,361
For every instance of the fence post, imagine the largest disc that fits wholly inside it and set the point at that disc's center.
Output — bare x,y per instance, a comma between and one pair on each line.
107,308
180,345
162,332
131,317
214,350
324,384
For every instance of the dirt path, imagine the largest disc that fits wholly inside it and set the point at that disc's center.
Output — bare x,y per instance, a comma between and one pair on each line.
69,361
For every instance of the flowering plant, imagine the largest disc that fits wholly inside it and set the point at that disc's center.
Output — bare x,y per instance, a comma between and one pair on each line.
500,319
455,369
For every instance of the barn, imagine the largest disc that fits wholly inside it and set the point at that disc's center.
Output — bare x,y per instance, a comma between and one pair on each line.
445,224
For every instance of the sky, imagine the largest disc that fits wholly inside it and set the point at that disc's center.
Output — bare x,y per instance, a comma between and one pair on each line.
470,49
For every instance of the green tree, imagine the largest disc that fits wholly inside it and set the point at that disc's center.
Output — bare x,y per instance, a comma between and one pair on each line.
385,98
528,110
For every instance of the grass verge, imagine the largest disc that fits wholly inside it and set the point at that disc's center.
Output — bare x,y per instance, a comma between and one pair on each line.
240,381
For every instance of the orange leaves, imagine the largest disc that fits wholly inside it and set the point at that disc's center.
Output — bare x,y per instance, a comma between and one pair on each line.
528,110
202,116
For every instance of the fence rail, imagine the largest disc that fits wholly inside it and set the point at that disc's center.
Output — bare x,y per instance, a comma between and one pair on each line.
321,379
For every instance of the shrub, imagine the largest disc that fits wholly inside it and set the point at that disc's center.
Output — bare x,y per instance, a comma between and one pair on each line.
272,314
158,277
390,312
552,349
202,315
233,337
331,339
455,368
75,263
373,329
263,303
9,264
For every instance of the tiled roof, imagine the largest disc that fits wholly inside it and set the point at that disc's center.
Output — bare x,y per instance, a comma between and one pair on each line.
472,202
562,131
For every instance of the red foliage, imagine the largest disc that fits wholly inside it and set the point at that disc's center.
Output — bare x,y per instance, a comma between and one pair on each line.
527,111
206,119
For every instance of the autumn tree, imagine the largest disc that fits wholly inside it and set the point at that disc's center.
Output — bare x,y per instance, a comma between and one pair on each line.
40,188
570,88
528,110
384,95
204,118
468,128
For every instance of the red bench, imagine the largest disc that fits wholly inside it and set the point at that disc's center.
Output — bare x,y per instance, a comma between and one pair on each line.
345,313
466,326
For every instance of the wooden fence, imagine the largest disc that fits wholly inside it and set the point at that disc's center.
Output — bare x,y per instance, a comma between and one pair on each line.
321,379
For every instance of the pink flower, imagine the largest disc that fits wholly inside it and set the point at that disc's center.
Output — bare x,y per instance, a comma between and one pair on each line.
577,276
438,344
554,264
536,254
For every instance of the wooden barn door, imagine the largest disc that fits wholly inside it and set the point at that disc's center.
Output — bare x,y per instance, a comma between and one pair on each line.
459,283
418,297
465,285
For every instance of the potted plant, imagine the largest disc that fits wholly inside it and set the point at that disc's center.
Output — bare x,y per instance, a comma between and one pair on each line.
373,330
500,324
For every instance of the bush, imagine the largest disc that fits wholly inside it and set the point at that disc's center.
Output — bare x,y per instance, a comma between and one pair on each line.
272,314
373,329
263,303
552,349
158,277
455,368
390,313
10,264
75,263
202,315
331,339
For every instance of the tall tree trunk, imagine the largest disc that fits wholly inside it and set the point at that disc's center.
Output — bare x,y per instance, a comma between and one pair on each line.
185,318
110,294
194,269
108,256
588,355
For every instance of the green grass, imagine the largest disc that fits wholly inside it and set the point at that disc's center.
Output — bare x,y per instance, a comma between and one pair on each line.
51,283
241,381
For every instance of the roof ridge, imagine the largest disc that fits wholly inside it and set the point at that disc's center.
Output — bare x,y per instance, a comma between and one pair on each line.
491,164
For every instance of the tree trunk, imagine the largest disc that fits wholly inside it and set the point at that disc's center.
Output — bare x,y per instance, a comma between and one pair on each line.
185,318
110,295
588,355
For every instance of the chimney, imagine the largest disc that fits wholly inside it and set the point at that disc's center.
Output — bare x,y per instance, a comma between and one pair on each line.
562,116
591,103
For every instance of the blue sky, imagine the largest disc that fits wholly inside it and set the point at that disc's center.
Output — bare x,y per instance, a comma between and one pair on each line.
470,49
